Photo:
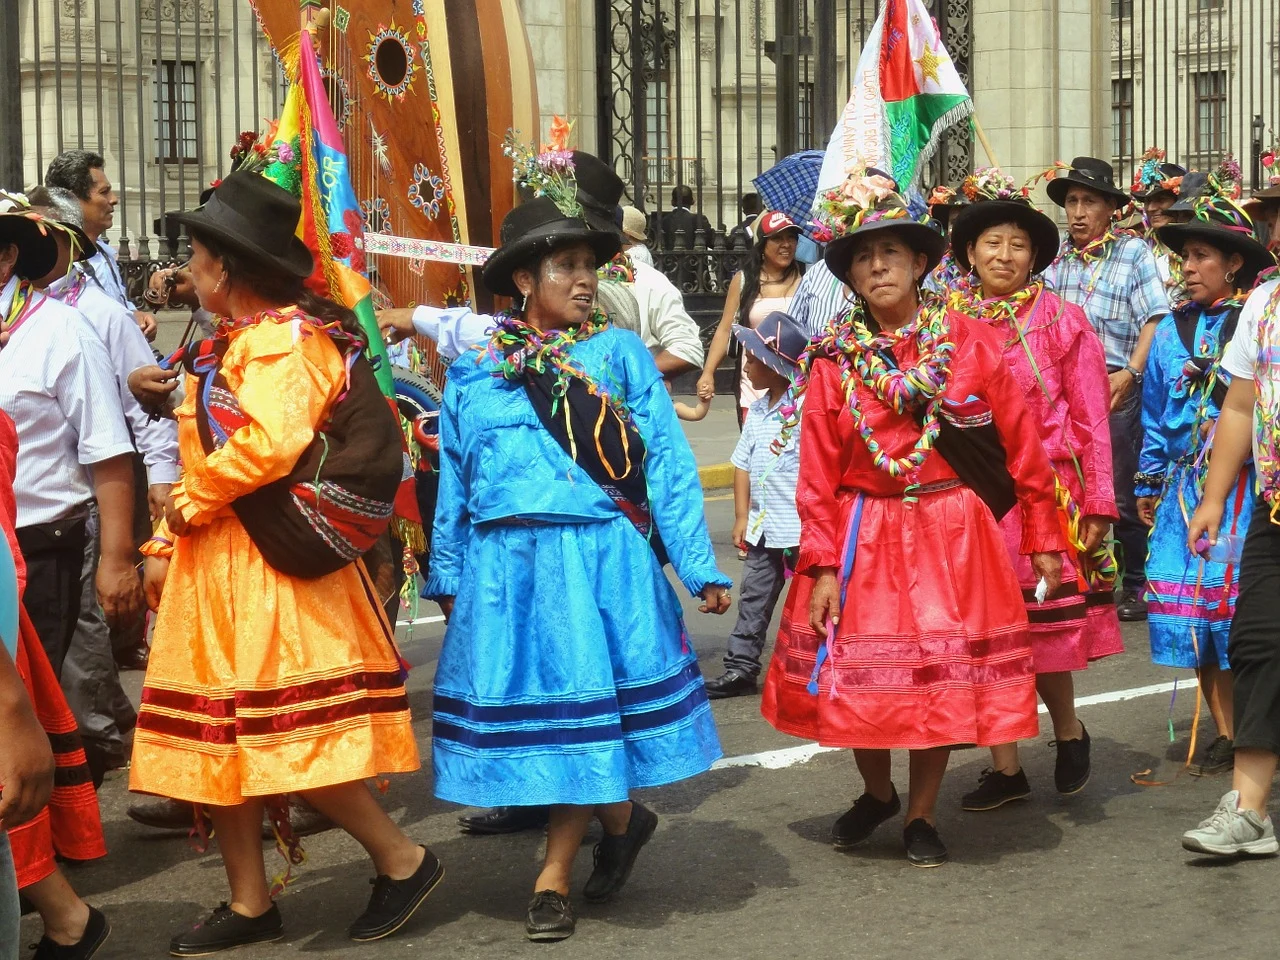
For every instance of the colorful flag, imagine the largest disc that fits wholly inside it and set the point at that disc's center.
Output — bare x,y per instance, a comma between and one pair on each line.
906,92
312,163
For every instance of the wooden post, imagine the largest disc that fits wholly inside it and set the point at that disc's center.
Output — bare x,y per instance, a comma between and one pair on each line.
986,144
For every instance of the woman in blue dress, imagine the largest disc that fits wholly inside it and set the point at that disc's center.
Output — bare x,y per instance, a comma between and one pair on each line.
566,676
1191,599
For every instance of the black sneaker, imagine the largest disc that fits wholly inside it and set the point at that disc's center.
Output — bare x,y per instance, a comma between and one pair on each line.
731,683
550,917
995,789
393,902
615,856
166,815
96,931
226,929
1071,772
1131,607
1219,758
505,820
861,820
924,846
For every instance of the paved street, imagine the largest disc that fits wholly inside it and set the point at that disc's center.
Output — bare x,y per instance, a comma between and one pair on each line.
741,868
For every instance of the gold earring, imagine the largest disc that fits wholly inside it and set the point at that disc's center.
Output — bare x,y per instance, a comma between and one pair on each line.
1231,277
218,286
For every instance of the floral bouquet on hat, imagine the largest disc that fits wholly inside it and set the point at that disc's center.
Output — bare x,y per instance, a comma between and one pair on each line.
992,183
865,196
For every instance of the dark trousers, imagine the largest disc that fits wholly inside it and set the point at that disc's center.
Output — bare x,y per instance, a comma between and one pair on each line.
1131,533
54,553
763,577
1254,648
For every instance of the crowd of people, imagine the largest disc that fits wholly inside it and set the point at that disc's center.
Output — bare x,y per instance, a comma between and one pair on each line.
1090,425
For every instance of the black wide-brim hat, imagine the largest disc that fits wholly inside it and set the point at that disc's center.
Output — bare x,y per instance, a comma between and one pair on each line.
36,238
534,229
1170,171
972,222
1089,172
920,237
1256,256
1194,185
251,215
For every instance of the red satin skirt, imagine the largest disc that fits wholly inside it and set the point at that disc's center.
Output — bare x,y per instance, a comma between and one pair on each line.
70,826
933,647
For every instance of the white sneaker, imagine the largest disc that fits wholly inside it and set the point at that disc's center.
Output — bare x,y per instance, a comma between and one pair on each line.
1232,832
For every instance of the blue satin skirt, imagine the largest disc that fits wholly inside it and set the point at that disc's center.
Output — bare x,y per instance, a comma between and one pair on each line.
566,674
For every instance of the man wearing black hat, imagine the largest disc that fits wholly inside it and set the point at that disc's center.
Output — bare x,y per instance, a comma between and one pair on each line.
1114,279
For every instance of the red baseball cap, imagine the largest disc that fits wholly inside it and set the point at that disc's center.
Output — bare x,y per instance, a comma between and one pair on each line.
775,222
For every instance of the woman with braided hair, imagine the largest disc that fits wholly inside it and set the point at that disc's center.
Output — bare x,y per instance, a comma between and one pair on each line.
905,626
1191,599
1003,244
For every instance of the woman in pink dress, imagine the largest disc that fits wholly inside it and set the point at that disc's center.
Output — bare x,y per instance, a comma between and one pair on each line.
1003,243
766,283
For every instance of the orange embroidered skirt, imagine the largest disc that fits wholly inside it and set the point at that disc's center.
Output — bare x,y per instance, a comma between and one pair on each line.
261,684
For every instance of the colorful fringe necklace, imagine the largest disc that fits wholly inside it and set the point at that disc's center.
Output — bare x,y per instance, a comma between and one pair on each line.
1091,256
970,301
26,301
860,355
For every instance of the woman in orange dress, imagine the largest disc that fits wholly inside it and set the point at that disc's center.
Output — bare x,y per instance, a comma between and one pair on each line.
263,683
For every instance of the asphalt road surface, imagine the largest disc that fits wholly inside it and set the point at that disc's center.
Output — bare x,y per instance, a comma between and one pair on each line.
741,866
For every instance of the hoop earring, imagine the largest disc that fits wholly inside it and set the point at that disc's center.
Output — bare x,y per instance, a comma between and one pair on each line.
1231,277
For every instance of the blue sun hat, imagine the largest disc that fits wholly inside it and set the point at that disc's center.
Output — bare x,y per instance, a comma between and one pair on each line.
778,342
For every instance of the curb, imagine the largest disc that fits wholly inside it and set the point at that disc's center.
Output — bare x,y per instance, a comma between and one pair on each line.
716,476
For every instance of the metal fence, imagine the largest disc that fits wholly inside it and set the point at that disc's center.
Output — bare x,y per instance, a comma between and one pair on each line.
161,88
1197,78
710,93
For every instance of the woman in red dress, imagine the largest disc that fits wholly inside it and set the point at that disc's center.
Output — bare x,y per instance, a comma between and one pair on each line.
905,627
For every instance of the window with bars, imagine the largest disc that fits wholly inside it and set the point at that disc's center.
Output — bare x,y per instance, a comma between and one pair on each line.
804,116
1121,117
175,112
1211,111
1121,9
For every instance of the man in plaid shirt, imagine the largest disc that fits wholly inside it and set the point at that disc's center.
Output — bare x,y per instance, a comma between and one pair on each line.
1113,277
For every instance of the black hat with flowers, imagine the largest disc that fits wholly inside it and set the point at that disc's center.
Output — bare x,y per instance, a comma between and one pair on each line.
36,237
1155,176
995,199
1222,223
869,202
557,216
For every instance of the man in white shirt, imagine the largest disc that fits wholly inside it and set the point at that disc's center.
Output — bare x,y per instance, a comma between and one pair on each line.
90,676
83,173
57,385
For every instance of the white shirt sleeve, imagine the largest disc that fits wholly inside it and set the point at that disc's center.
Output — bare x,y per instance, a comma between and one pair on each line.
669,325
454,329
1242,352
89,397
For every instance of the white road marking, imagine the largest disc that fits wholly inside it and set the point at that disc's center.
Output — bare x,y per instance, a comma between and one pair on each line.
790,756
419,622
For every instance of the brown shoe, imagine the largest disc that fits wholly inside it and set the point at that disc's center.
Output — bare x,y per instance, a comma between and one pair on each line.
166,814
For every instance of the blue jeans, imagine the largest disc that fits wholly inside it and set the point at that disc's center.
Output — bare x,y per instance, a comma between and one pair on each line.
1131,533
9,911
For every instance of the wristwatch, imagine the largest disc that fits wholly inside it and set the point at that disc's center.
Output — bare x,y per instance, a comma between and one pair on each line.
1133,372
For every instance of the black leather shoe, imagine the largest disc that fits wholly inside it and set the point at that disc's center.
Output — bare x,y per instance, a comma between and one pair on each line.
861,820
1131,607
924,846
550,917
135,658
393,902
615,856
731,683
1071,772
226,929
96,931
506,820
1219,758
166,815
995,789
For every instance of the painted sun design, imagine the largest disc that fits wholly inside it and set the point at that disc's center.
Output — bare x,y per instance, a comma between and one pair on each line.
377,214
427,191
393,61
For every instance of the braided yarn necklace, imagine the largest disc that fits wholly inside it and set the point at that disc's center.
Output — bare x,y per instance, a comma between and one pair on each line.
860,355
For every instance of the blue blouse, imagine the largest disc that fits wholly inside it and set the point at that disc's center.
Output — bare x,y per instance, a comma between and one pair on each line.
1168,405
497,460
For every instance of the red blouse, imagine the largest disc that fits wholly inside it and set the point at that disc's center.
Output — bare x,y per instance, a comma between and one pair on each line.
834,460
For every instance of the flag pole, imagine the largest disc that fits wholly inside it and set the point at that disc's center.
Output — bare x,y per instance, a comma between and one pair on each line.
982,138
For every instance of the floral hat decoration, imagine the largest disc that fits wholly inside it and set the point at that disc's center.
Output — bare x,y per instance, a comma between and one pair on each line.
869,200
1154,176
557,209
994,198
